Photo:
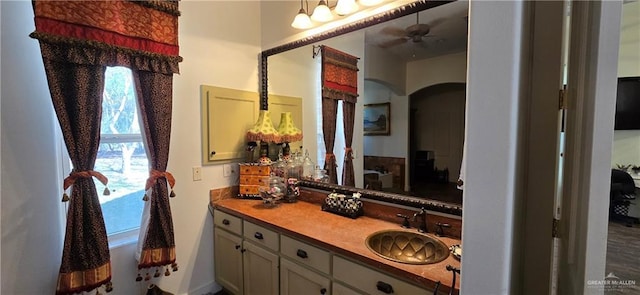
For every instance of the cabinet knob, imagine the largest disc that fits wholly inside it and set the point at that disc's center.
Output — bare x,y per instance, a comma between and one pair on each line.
258,235
213,153
384,287
323,291
302,254
237,247
225,221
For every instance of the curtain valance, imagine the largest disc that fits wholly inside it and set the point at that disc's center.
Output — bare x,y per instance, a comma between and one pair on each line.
339,75
141,35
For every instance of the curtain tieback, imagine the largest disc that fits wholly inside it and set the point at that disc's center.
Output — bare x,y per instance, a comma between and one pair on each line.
348,151
155,175
330,157
75,175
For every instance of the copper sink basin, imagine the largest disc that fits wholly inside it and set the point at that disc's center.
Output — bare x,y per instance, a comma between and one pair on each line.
407,247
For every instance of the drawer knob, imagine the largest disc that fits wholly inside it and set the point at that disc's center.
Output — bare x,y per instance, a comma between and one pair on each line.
258,235
302,254
323,291
384,287
225,221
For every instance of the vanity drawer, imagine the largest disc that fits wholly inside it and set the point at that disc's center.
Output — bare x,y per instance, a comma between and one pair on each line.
246,189
370,281
306,254
227,221
261,236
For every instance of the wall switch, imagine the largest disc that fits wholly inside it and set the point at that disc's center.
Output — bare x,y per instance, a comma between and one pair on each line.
227,170
197,173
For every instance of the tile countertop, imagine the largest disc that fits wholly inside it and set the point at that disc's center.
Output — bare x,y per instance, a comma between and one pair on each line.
341,235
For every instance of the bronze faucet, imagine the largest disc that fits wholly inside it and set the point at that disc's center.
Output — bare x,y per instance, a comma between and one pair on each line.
423,225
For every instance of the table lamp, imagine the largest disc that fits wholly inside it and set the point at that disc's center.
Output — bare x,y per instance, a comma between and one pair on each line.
288,133
264,132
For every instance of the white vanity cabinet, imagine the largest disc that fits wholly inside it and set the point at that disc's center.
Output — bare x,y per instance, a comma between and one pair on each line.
227,251
246,261
251,259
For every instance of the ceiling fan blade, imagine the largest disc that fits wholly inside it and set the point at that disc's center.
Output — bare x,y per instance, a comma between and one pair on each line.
392,31
393,42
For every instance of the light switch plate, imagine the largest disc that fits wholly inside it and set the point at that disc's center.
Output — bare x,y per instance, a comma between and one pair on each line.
197,173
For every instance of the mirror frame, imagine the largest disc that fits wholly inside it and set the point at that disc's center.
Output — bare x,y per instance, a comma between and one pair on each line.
433,205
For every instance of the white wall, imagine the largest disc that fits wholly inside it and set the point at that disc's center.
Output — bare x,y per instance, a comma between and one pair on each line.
386,68
32,234
396,144
437,70
215,53
491,148
626,143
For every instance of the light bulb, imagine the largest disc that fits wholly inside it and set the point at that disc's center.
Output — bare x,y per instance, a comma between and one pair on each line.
322,13
302,20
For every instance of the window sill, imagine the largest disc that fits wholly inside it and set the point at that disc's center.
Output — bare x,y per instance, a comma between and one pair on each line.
123,239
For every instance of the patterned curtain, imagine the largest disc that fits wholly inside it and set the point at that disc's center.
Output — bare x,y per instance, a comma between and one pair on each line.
78,39
154,92
329,111
339,82
349,112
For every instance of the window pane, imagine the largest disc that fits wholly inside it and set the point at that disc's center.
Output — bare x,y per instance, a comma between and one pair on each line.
121,156
126,166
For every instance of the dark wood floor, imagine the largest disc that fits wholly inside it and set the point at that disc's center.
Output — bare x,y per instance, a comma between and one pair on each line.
623,256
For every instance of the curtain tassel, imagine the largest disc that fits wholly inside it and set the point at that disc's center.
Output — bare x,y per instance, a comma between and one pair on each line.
157,274
138,278
147,277
174,266
173,195
145,198
106,191
108,287
167,273
65,197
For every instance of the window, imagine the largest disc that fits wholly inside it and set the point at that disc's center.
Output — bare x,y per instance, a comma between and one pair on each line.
121,155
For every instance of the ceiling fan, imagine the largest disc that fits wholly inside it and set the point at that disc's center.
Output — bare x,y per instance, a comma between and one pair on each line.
414,33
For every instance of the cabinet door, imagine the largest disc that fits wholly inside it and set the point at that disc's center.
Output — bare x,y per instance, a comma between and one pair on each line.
228,260
227,114
260,270
295,280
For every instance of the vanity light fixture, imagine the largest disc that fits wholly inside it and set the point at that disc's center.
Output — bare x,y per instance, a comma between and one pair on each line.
345,7
322,13
370,2
302,20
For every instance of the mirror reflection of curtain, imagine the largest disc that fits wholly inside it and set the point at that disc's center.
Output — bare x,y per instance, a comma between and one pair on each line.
78,39
339,77
349,112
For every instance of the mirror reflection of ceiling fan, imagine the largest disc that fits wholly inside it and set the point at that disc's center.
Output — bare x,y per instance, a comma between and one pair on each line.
415,33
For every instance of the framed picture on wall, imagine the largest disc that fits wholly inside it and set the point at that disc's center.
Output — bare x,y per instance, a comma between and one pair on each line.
377,119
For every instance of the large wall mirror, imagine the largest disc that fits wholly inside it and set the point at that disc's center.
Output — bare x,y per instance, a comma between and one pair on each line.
412,69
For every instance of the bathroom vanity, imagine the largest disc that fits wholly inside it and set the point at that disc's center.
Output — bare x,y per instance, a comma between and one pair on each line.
295,248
